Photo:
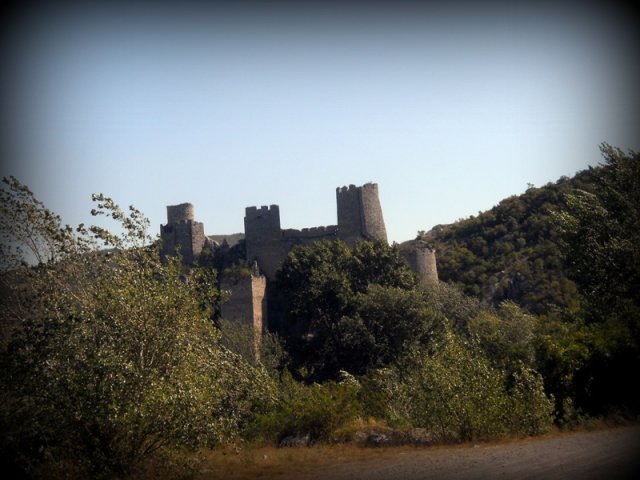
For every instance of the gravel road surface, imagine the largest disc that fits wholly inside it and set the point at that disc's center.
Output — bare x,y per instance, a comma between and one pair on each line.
612,454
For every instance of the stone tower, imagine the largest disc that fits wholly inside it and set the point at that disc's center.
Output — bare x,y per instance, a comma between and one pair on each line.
422,260
263,238
246,303
360,214
182,233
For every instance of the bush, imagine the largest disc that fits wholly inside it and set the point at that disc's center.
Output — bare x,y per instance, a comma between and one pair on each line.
114,359
317,410
454,392
530,410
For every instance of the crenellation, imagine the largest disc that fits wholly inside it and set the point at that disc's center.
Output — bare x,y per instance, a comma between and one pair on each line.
349,188
263,238
359,218
311,232
264,210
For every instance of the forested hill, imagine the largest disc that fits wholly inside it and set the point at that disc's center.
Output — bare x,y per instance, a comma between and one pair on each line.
512,251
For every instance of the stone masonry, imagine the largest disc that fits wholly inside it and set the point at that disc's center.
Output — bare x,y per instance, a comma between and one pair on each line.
182,233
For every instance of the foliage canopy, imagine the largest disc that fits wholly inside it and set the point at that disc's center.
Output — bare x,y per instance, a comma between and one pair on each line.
114,356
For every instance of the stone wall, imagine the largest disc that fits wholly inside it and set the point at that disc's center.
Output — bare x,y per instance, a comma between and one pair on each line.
307,236
359,218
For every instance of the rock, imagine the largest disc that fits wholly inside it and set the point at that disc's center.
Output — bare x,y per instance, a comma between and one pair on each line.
378,440
360,437
295,441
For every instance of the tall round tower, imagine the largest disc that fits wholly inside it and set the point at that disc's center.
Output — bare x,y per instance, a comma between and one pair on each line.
373,227
421,259
179,213
360,214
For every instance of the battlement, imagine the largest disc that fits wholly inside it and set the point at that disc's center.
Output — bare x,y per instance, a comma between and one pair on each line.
370,186
264,211
353,188
350,188
313,232
260,219
359,218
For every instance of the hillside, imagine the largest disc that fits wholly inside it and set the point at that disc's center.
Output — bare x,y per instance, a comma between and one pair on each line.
512,251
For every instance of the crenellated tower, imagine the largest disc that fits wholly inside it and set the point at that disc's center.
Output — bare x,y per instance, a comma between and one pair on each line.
360,214
263,238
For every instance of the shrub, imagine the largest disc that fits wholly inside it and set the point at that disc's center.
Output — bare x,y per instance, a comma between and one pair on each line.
455,392
530,410
114,359
317,410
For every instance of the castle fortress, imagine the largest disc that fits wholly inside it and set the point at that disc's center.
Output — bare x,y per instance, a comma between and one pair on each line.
267,245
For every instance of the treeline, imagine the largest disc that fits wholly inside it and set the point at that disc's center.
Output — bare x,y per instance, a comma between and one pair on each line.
111,359
513,251
568,252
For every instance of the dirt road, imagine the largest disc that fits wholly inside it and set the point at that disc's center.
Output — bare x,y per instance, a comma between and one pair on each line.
605,454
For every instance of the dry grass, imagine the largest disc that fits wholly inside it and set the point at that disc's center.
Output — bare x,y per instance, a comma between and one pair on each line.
269,462
242,462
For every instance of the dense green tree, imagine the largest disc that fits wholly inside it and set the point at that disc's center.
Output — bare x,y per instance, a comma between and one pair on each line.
563,347
601,246
506,335
113,357
512,251
601,233
347,309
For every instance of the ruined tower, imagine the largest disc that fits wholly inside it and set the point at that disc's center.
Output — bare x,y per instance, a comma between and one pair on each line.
360,214
246,303
182,232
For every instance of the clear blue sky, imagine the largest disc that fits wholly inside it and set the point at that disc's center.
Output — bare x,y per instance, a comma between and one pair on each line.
448,110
